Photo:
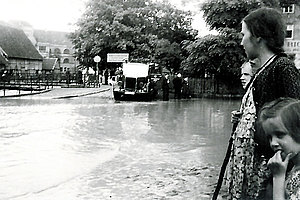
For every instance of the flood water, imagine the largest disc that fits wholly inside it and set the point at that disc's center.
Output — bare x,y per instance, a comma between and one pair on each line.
95,148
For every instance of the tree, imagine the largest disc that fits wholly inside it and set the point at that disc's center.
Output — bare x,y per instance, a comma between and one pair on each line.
222,55
132,26
227,13
219,55
288,2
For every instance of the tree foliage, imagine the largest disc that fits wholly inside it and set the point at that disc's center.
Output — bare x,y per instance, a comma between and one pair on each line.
219,55
227,13
288,2
222,55
148,31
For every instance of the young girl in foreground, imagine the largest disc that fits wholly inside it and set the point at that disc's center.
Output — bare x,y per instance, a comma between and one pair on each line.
280,121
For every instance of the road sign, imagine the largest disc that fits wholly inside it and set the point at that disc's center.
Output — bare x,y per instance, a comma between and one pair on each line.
117,57
97,59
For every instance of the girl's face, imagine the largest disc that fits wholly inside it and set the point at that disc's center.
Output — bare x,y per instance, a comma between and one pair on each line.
249,42
279,138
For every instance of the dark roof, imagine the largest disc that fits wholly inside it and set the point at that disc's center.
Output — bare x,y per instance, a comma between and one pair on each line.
49,63
16,44
52,37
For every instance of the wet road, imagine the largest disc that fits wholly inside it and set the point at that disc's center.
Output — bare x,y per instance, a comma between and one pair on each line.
92,147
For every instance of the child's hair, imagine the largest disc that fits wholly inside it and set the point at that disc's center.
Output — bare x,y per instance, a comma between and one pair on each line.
288,110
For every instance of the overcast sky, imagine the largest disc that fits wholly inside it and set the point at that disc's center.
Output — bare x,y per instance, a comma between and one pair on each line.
59,15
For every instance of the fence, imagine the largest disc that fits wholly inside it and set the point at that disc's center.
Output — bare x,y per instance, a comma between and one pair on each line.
200,86
197,86
34,82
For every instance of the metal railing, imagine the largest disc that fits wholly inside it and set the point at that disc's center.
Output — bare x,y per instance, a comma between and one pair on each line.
37,82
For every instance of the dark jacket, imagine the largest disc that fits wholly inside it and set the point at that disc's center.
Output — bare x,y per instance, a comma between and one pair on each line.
280,79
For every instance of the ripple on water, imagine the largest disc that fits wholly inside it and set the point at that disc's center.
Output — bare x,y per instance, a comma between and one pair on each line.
87,148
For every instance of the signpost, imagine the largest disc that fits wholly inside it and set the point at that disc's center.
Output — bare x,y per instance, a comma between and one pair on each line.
117,57
97,59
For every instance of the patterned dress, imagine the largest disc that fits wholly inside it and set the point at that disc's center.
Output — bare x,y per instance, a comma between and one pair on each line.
293,185
246,171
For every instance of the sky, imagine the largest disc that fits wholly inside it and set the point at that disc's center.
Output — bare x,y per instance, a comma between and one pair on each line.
59,15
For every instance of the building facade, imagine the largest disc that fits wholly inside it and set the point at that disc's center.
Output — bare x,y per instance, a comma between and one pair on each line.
291,13
53,44
21,55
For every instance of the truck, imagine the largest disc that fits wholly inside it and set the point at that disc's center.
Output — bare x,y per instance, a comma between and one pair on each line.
135,83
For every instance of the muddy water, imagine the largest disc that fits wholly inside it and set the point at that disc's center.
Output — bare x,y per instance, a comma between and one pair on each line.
96,148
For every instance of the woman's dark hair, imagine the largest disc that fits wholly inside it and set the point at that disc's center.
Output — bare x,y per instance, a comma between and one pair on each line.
288,110
268,24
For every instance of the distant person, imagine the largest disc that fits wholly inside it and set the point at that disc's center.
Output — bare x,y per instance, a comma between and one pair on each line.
152,87
79,77
263,33
165,87
106,74
177,83
186,88
280,121
68,76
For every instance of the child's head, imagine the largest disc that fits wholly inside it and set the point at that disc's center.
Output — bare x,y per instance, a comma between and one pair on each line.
287,111
246,74
281,118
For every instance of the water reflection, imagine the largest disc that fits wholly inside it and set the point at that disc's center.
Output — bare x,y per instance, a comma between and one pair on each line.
93,148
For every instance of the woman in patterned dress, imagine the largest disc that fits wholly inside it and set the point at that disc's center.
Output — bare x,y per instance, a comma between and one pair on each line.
280,121
263,33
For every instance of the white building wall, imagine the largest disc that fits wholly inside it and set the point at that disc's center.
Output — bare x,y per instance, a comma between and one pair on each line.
292,45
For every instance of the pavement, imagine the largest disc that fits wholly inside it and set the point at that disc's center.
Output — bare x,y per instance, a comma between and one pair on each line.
58,92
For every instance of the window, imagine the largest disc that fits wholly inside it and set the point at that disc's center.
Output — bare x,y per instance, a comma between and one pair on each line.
66,60
42,48
288,8
66,51
289,32
57,51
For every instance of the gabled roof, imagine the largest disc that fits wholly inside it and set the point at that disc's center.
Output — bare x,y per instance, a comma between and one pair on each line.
52,37
17,45
49,63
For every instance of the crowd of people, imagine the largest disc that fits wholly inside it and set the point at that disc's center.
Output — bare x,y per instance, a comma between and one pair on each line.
180,85
263,159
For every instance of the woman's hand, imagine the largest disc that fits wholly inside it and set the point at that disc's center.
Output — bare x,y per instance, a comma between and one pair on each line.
278,166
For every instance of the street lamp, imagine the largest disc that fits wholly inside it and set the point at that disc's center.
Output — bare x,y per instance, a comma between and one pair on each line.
97,59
